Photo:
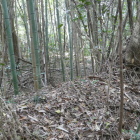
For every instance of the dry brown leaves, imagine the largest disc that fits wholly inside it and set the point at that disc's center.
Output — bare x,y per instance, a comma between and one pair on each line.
86,109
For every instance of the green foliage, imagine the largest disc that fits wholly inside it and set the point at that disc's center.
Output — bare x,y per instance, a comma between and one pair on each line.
38,99
10,101
87,3
104,8
52,44
2,64
60,25
80,5
138,129
98,1
107,124
85,26
83,80
113,16
80,16
82,0
94,82
84,3
74,19
86,52
135,135
107,31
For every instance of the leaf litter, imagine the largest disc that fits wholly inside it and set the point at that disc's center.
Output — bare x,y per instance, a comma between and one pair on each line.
84,109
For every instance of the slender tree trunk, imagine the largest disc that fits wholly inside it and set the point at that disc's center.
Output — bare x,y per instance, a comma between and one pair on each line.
90,36
95,22
47,41
43,42
10,46
113,30
70,41
14,34
26,29
79,14
130,11
121,69
60,41
123,27
35,44
38,24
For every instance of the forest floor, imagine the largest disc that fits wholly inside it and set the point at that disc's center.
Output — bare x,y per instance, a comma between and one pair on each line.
84,109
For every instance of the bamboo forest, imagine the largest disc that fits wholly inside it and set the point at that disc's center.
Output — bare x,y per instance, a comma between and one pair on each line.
70,69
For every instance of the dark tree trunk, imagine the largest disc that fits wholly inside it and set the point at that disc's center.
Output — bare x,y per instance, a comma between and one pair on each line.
129,3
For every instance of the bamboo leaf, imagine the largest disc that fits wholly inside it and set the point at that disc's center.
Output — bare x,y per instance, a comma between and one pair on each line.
60,25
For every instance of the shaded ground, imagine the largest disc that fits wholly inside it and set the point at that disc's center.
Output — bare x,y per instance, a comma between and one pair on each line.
85,109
